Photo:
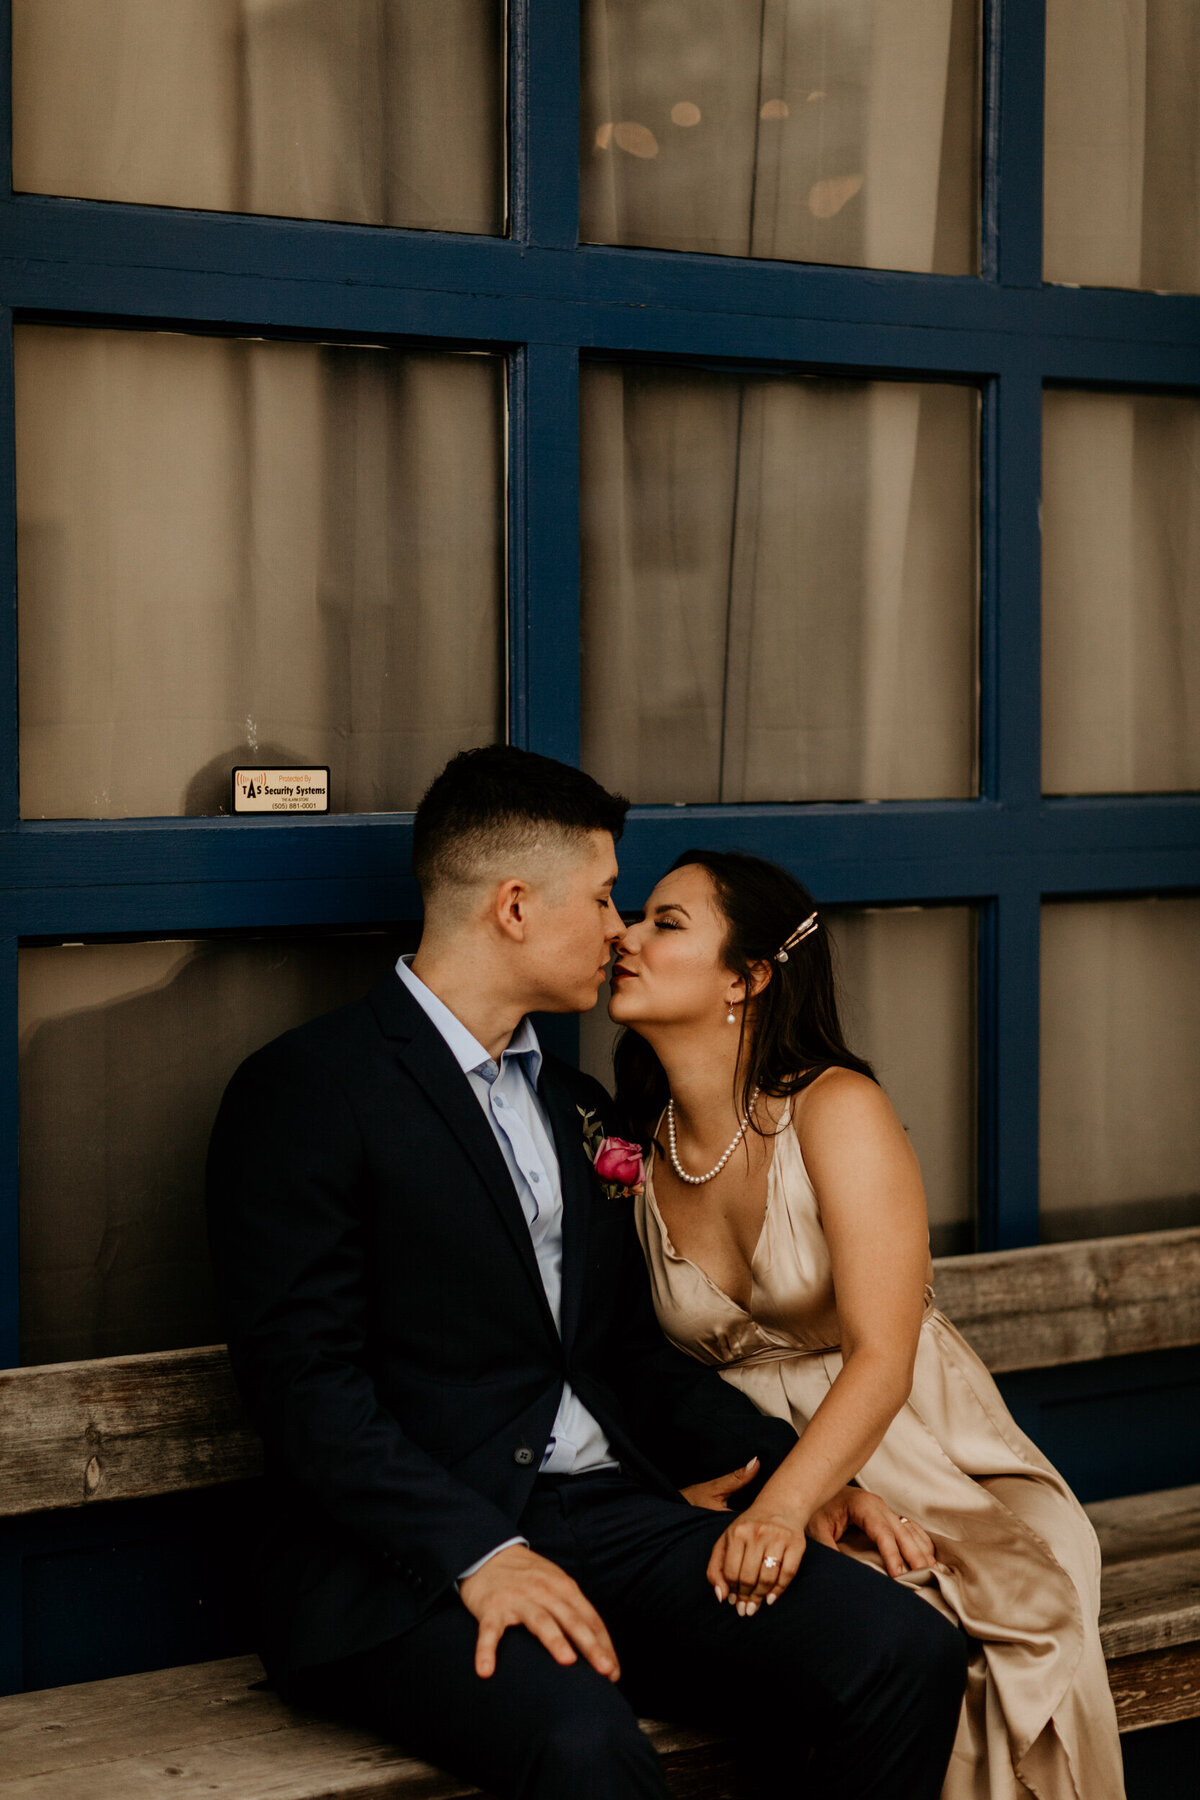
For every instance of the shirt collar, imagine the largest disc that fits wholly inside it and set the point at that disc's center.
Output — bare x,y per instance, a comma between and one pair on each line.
466,1050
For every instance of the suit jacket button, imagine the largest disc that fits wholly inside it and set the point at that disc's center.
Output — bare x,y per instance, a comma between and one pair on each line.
523,1457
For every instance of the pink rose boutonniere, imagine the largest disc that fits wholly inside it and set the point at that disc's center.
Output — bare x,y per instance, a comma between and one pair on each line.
617,1162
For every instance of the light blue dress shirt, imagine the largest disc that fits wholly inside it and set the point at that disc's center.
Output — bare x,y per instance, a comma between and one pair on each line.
507,1093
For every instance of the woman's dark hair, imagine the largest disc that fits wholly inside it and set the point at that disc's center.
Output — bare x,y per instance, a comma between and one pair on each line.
793,1032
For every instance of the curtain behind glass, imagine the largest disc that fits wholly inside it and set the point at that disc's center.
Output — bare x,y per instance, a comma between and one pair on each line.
1122,159
779,586
833,131
1120,579
235,551
907,986
125,1050
382,112
1120,1066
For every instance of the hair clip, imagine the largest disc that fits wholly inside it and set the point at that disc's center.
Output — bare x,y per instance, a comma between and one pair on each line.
801,932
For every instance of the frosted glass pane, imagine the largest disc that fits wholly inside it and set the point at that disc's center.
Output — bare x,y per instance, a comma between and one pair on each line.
378,112
1120,579
828,131
908,985
1122,157
1120,1066
125,1050
236,551
907,978
779,586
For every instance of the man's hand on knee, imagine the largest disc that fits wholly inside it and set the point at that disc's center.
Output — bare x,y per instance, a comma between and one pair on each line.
519,1587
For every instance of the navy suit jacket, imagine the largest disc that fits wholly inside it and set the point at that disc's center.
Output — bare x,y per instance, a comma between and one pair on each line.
389,1330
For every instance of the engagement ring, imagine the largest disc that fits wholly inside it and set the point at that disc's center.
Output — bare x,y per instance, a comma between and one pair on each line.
770,1562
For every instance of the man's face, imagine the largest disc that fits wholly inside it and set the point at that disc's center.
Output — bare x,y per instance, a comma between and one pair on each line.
572,926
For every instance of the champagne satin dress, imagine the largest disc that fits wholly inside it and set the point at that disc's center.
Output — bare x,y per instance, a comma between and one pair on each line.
1019,1565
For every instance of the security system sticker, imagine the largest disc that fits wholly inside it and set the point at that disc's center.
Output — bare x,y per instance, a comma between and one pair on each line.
280,790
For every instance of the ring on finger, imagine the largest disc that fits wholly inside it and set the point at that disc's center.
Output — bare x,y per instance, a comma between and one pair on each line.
770,1562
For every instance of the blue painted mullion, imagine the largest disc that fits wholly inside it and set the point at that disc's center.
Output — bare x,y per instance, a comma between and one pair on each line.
10,1274
544,122
9,797
1014,133
1014,447
544,509
1009,965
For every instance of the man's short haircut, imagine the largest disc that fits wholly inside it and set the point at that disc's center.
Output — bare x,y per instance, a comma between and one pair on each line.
492,808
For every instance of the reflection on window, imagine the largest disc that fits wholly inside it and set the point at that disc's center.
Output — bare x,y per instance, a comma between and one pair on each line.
779,586
1122,160
1120,1066
1120,576
829,131
907,980
246,552
376,112
125,1052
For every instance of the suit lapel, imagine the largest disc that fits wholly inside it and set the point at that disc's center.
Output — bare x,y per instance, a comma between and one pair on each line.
578,1194
426,1057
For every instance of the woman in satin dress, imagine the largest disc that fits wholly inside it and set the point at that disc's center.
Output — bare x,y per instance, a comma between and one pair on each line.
783,1223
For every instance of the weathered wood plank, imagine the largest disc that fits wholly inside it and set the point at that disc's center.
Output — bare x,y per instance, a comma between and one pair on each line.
212,1727
131,1426
121,1429
1150,1605
1142,1525
1159,1688
1064,1303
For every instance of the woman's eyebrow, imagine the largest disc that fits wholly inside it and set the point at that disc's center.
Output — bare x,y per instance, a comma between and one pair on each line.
672,906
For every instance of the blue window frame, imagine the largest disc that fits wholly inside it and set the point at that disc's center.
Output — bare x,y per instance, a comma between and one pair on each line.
544,300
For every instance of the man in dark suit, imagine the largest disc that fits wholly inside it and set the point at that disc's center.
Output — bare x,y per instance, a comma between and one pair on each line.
476,1435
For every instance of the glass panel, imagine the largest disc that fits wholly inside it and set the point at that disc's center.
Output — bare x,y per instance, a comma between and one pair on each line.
829,131
1120,1061
908,982
1120,575
237,551
125,1052
1122,160
377,112
907,978
779,586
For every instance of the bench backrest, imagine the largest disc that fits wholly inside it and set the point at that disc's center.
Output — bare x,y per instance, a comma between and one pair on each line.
131,1426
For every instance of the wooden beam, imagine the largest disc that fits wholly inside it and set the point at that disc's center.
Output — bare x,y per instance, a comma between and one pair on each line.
130,1426
1066,1303
121,1429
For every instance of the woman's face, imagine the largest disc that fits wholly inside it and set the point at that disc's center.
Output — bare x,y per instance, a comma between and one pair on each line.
670,966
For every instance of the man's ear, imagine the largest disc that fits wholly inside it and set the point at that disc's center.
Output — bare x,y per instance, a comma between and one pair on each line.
509,910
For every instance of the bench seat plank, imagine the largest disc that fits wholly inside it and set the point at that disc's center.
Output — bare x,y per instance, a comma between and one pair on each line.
1160,1688
1141,1525
213,1728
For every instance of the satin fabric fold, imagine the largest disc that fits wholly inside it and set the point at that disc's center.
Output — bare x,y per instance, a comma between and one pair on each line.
1018,1562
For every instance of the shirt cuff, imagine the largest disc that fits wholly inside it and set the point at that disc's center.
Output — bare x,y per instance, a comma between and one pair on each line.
476,1566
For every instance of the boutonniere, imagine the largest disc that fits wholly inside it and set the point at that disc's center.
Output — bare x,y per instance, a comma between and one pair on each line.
617,1162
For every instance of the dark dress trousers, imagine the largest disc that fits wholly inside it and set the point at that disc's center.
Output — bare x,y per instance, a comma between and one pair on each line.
390,1333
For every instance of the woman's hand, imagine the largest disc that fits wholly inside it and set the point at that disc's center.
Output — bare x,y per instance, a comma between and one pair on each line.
754,1560
900,1543
715,1494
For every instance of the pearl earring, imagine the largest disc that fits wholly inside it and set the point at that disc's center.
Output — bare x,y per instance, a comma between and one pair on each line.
730,1018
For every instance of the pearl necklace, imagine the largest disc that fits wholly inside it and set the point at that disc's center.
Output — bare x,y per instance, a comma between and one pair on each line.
699,1180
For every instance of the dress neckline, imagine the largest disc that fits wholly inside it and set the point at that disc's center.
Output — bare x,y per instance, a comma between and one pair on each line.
782,1129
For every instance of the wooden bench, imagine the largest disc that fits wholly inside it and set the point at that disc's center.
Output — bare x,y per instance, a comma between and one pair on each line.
80,1434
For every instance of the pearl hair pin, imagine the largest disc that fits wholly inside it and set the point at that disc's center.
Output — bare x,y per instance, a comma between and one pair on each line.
699,1180
802,931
